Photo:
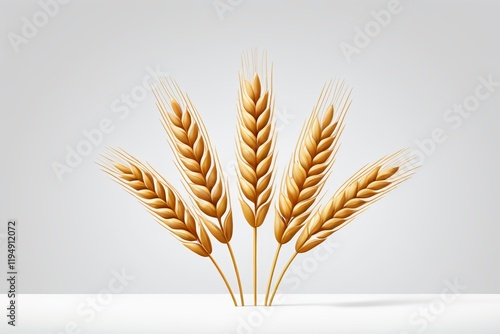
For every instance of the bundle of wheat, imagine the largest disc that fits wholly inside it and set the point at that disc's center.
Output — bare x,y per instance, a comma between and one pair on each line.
297,210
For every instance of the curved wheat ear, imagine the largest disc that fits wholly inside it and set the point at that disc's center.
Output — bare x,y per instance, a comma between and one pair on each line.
362,190
312,161
359,192
310,165
195,157
163,202
255,147
197,162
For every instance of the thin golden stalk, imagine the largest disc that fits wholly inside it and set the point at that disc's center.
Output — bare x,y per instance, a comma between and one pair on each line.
224,279
255,265
271,273
287,265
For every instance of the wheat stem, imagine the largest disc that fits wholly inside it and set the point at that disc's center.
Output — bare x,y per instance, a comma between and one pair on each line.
255,266
237,273
281,277
224,279
273,267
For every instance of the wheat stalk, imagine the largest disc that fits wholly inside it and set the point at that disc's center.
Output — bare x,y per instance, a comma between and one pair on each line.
197,162
163,202
255,147
359,192
310,165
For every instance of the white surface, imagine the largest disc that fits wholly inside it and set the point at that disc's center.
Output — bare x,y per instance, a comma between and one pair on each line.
292,314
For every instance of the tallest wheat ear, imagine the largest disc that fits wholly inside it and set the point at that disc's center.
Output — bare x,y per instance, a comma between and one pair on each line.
255,147
197,162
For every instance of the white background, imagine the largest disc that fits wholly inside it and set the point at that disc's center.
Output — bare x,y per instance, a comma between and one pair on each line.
440,225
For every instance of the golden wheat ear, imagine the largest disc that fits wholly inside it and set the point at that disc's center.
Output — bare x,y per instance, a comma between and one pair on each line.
312,160
195,157
162,201
256,141
363,189
197,162
310,165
